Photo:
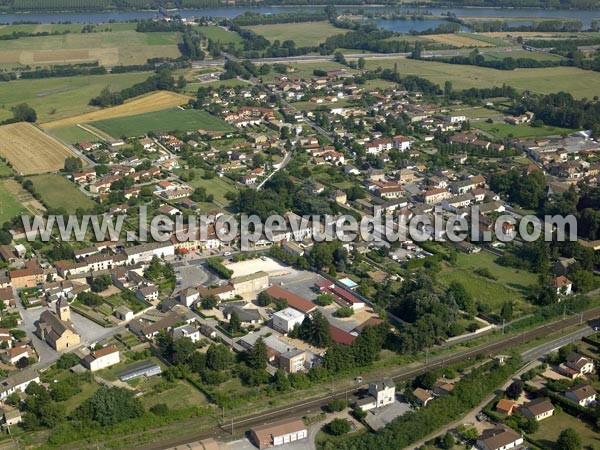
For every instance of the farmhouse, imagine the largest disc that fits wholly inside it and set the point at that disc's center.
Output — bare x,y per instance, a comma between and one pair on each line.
30,276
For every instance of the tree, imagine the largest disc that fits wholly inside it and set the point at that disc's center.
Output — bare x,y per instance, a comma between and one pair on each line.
515,390
344,311
235,324
324,299
337,427
336,405
218,357
182,350
73,164
447,441
507,310
209,302
361,63
24,113
258,356
111,405
358,413
264,299
569,439
100,283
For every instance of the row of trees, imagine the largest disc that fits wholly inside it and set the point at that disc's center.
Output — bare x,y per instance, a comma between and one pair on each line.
161,80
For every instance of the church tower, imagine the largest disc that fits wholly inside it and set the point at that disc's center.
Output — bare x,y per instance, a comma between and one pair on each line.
63,310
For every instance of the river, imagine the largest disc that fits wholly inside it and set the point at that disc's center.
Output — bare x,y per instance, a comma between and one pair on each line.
396,25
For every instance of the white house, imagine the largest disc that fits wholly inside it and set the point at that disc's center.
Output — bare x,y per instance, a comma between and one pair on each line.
101,359
401,143
186,331
17,382
499,438
584,395
285,320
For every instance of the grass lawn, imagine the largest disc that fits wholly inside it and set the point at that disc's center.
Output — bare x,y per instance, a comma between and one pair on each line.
58,192
505,130
5,171
87,390
551,427
192,87
72,134
161,121
182,395
303,34
9,205
511,284
580,83
477,113
57,98
215,186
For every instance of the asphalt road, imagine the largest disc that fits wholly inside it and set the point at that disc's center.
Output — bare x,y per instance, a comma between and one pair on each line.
400,374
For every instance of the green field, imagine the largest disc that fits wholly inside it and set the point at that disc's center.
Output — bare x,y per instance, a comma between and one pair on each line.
57,98
551,427
161,121
537,56
9,205
62,27
72,134
303,34
221,35
511,284
580,83
58,192
505,130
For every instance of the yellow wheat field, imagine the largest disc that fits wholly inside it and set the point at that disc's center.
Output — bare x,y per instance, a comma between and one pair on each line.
153,102
30,150
458,40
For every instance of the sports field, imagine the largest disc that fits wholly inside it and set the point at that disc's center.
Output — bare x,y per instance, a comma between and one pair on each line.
303,34
161,121
56,98
30,150
580,83
58,192
504,130
72,134
153,102
108,48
